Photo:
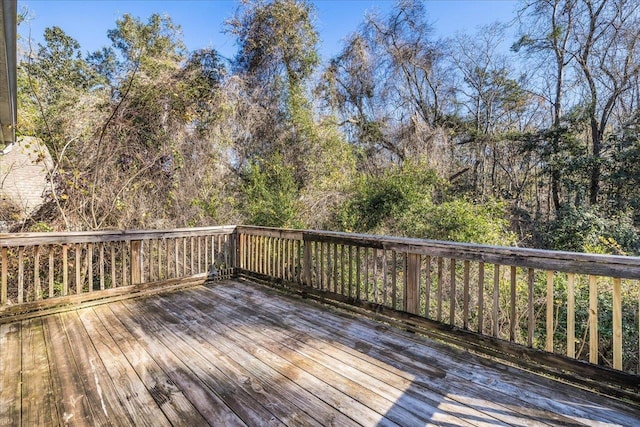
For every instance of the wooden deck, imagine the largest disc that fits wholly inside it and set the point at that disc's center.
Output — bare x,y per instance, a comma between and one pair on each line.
233,353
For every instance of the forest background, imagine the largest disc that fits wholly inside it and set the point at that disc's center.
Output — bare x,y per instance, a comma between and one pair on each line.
400,133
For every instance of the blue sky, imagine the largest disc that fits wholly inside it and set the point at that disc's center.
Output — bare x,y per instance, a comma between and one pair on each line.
202,21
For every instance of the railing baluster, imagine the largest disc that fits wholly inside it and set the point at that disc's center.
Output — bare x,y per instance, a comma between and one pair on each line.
512,306
550,301
481,297
51,271
307,263
199,254
281,256
452,296
342,257
250,259
150,259
394,280
102,266
496,300
440,284
205,250
90,266
176,258
329,268
269,246
262,251
593,319
184,257
243,248
192,256
375,276
384,277
256,254
159,249
167,257
4,277
292,266
281,259
321,266
65,270
78,255
427,287
36,273
358,273
124,257
350,271
405,279
114,279
531,327
571,316
617,324
273,256
298,248
465,300
20,274
366,274
335,267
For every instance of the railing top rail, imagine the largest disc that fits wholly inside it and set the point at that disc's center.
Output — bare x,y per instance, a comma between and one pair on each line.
29,239
570,262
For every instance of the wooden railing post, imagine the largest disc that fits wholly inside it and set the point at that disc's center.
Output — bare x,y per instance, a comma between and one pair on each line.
412,293
242,249
307,262
236,252
135,262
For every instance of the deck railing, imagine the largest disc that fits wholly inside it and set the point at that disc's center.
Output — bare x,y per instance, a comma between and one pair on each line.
36,269
583,306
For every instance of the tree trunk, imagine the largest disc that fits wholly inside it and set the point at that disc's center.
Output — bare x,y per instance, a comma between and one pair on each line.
596,143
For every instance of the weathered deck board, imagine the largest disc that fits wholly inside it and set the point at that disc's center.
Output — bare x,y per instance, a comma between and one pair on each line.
181,373
268,362
72,399
38,407
232,353
176,407
10,367
468,379
344,377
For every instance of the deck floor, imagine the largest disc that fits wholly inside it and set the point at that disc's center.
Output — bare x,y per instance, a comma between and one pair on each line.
232,353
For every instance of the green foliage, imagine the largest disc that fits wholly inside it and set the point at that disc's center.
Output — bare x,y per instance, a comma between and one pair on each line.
379,201
149,45
459,220
269,194
403,201
276,38
585,229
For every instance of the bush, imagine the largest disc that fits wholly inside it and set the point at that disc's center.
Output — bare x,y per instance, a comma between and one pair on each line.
270,195
585,229
378,202
460,221
402,201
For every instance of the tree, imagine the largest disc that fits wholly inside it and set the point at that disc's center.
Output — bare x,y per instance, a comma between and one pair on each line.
128,124
599,40
390,86
276,121
492,103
